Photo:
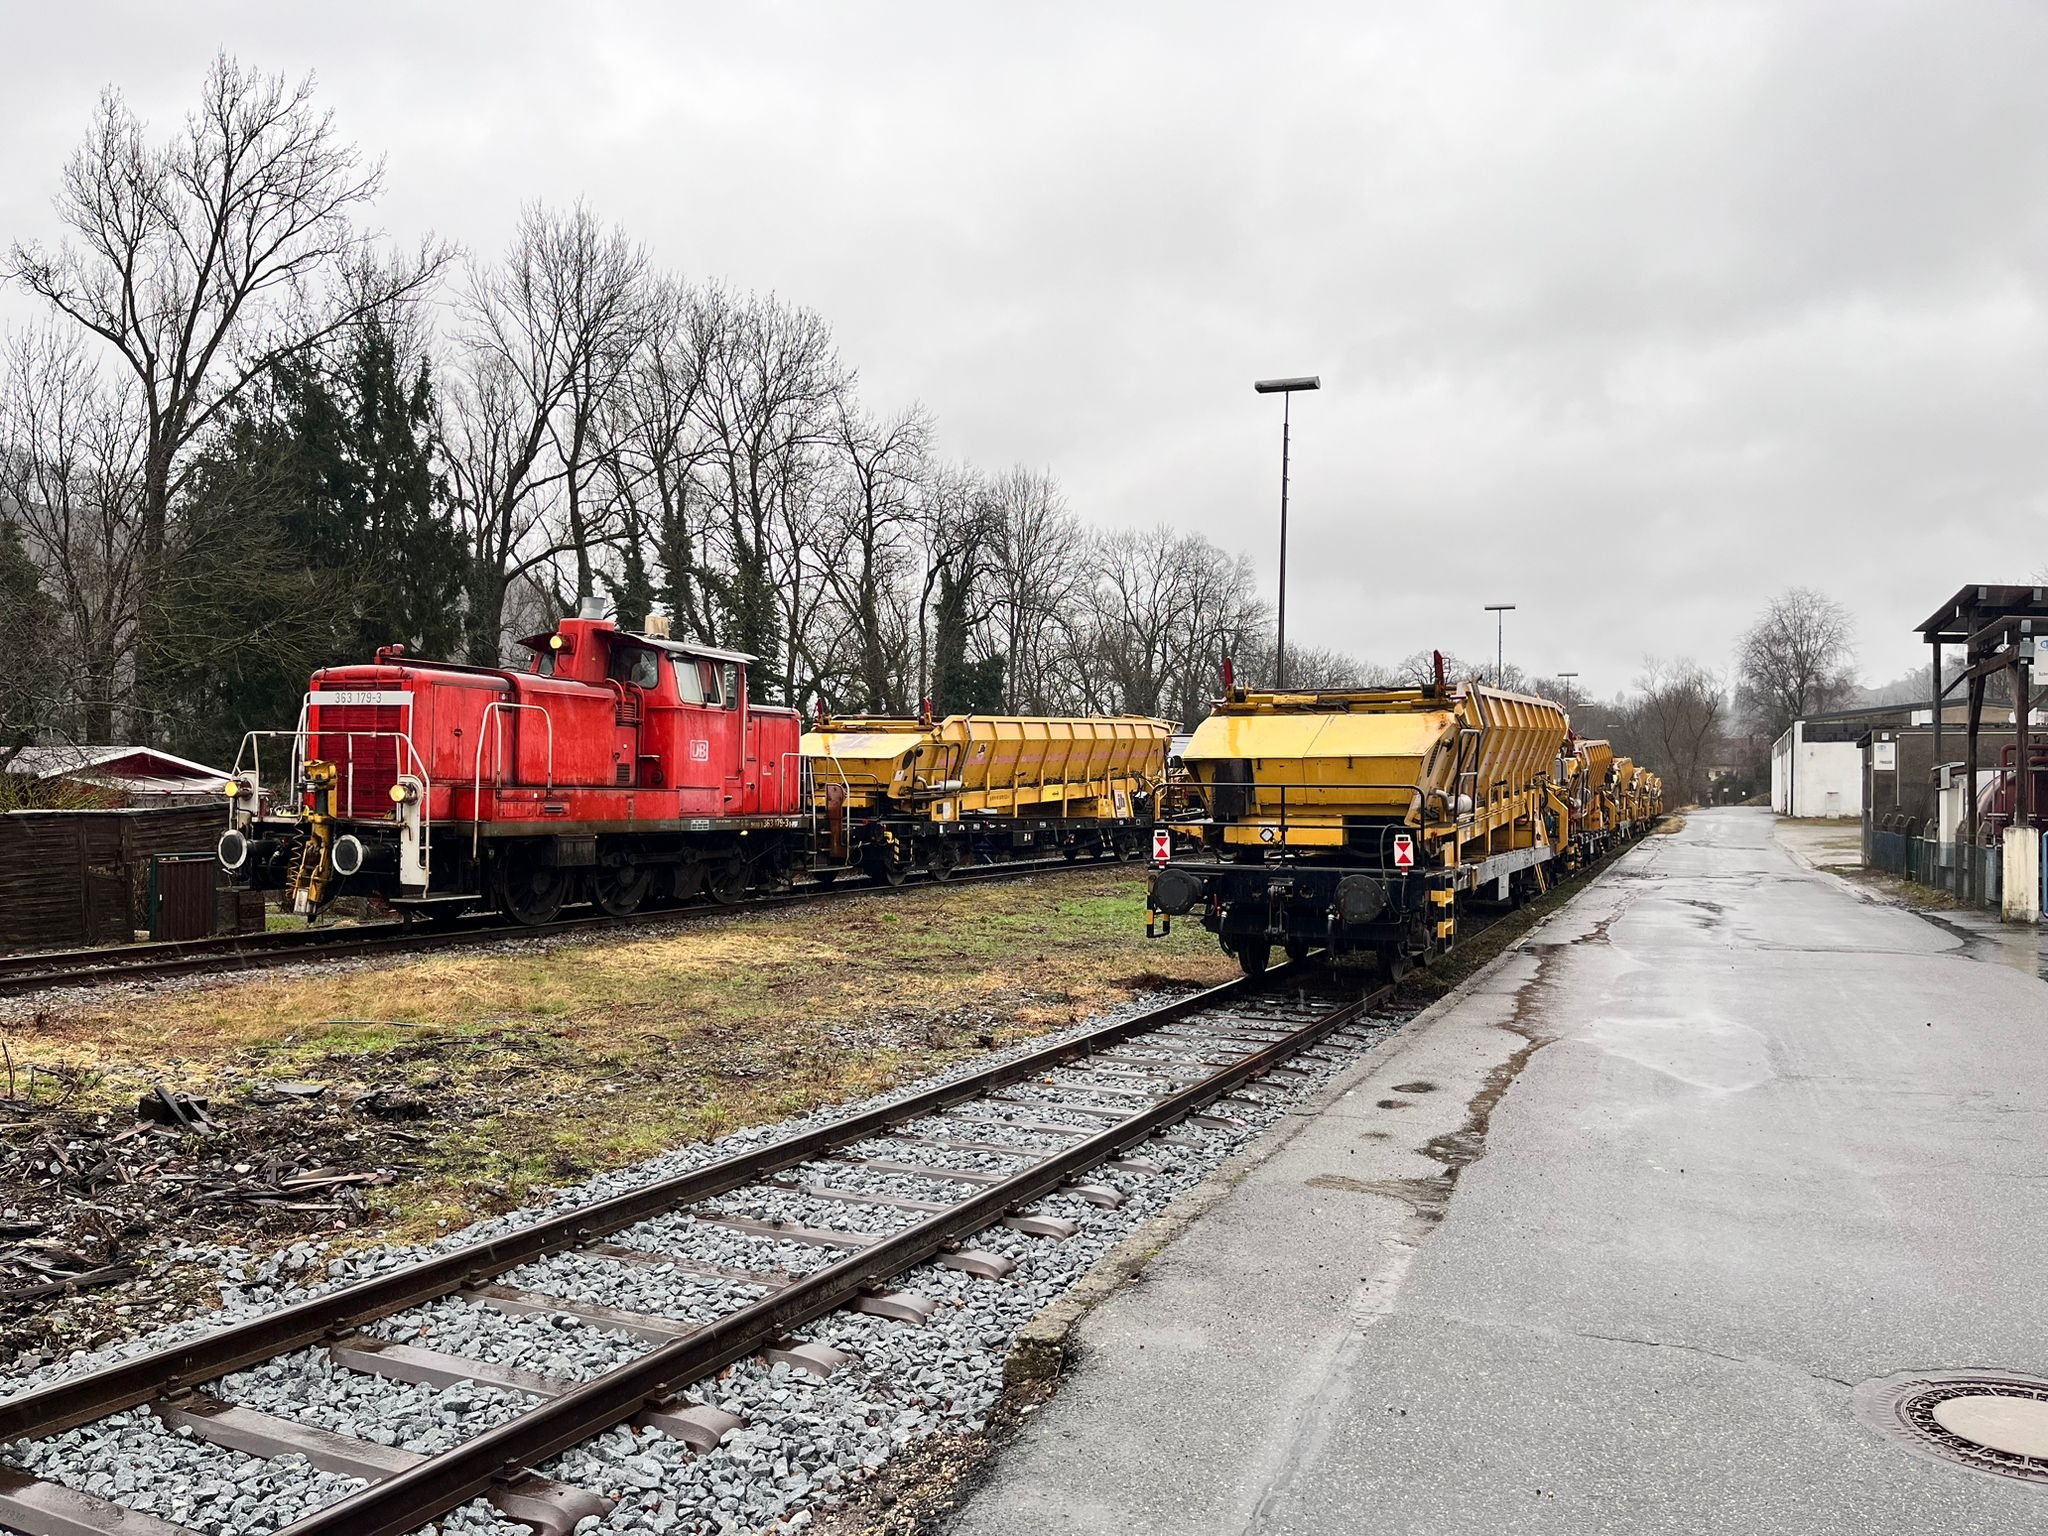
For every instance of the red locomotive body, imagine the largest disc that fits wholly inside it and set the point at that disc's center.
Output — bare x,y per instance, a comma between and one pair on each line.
617,767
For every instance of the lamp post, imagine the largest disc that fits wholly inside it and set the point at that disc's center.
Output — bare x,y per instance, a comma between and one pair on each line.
1500,639
1285,389
1566,679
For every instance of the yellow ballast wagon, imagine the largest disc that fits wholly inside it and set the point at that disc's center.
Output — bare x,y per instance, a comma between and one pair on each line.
891,795
1353,820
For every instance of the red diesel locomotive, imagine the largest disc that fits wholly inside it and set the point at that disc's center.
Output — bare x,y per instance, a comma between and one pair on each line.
619,767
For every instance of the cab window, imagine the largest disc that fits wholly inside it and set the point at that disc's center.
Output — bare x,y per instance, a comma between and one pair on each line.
689,681
632,664
729,684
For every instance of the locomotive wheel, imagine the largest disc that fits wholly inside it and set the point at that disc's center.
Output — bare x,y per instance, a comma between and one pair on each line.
884,870
1125,847
529,892
945,858
619,889
1253,956
1071,853
728,881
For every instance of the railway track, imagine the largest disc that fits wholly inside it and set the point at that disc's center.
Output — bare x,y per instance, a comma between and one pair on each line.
23,974
826,1219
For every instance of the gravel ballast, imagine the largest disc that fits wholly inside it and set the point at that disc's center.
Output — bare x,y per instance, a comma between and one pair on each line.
805,1443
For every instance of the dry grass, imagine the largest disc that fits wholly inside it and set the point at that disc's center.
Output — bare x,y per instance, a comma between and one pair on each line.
536,1065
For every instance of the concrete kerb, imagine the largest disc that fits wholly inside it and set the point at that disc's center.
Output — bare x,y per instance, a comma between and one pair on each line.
1039,1353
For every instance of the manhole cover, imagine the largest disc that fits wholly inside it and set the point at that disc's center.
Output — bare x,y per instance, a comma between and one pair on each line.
1988,1421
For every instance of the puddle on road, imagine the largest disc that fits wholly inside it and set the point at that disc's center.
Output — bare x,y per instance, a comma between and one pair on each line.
2024,949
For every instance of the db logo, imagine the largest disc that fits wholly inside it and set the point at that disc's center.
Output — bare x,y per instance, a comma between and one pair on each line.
1404,851
700,751
1162,845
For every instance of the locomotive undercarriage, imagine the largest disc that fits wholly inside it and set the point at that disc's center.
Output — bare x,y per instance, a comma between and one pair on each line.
528,878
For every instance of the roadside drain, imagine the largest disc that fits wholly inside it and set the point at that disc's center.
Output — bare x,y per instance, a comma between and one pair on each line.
1988,1421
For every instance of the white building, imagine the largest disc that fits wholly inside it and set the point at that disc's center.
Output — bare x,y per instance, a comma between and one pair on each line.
1816,773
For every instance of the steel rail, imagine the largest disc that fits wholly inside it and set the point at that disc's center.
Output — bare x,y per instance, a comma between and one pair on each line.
503,1456
79,1400
23,974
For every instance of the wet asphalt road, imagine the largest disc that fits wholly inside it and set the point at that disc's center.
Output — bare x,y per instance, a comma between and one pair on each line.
1603,1246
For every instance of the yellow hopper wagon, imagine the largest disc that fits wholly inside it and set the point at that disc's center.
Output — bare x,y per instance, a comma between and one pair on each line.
1595,819
888,796
1357,821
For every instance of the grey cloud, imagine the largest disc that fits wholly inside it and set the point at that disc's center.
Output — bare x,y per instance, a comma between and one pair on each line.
1630,314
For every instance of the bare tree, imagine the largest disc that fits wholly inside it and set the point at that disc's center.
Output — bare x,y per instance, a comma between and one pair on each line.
1677,725
71,472
1311,667
801,560
1420,667
771,387
29,695
1796,660
663,450
1039,583
605,295
206,260
544,344
883,466
1169,607
954,537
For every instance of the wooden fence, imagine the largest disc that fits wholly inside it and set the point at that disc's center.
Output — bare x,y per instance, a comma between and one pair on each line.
83,877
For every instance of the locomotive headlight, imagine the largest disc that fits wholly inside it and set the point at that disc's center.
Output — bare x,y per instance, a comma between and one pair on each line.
554,642
400,794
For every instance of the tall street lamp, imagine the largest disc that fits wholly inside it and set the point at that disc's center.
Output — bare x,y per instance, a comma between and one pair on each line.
1500,612
1566,679
1284,388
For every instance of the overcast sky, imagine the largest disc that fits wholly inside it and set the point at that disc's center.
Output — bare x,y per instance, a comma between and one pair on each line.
1630,314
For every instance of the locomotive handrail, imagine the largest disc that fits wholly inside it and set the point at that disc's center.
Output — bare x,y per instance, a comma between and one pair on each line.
312,696
806,778
414,766
498,753
410,765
